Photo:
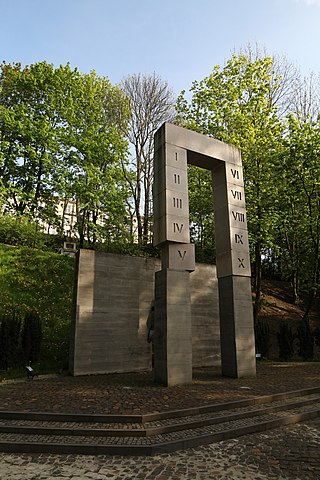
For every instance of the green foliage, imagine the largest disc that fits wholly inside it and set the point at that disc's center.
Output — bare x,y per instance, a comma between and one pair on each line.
40,282
22,231
306,340
201,211
285,338
31,337
10,341
300,200
133,249
237,104
62,135
234,104
262,337
19,346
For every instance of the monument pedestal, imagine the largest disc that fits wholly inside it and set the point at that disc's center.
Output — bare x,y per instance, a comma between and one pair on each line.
238,356
172,335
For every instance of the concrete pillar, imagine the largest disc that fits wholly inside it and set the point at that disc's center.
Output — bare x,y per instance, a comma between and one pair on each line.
233,271
175,147
173,332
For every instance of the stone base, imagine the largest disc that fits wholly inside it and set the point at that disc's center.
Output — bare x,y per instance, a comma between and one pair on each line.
173,334
238,356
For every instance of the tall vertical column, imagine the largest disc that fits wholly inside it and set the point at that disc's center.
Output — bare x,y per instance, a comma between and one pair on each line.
173,336
233,270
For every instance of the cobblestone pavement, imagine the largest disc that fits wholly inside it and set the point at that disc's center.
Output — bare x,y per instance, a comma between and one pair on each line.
136,393
287,453
290,453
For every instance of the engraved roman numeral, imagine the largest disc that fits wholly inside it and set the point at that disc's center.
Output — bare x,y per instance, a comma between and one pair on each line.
182,254
238,216
241,264
235,173
177,228
176,156
236,195
177,202
238,238
176,178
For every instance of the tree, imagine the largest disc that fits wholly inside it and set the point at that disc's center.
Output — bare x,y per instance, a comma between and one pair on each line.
201,213
301,228
305,103
152,104
62,137
284,82
28,126
94,150
233,104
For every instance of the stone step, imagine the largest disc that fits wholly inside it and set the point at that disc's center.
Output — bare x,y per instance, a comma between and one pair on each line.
156,416
166,434
151,428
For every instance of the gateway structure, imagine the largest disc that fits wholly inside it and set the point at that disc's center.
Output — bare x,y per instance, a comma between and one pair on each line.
175,148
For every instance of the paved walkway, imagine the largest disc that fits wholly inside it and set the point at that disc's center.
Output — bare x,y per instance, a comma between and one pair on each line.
136,393
287,453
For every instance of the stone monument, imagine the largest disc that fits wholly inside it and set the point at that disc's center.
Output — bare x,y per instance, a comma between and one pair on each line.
175,148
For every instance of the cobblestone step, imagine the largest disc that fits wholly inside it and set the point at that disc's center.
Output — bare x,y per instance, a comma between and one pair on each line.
161,432
151,428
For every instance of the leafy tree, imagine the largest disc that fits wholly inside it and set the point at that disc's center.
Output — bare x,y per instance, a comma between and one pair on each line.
234,104
62,135
19,230
28,122
94,149
285,82
301,205
152,104
201,213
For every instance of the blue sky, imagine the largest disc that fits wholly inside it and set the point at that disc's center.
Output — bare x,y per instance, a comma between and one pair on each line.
180,40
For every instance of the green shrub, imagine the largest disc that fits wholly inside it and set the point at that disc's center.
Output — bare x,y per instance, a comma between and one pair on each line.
285,340
10,355
306,340
31,337
262,336
20,231
41,282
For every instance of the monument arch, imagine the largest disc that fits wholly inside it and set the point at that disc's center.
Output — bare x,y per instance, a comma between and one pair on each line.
175,148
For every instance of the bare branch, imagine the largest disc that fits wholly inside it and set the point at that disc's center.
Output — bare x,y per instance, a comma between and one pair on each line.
152,104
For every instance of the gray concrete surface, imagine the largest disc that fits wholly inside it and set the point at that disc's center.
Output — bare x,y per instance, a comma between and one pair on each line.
113,300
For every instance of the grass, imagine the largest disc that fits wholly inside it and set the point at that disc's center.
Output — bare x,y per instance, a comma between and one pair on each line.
39,281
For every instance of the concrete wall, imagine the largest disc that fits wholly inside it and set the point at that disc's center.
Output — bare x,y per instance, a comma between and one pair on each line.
205,316
113,297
